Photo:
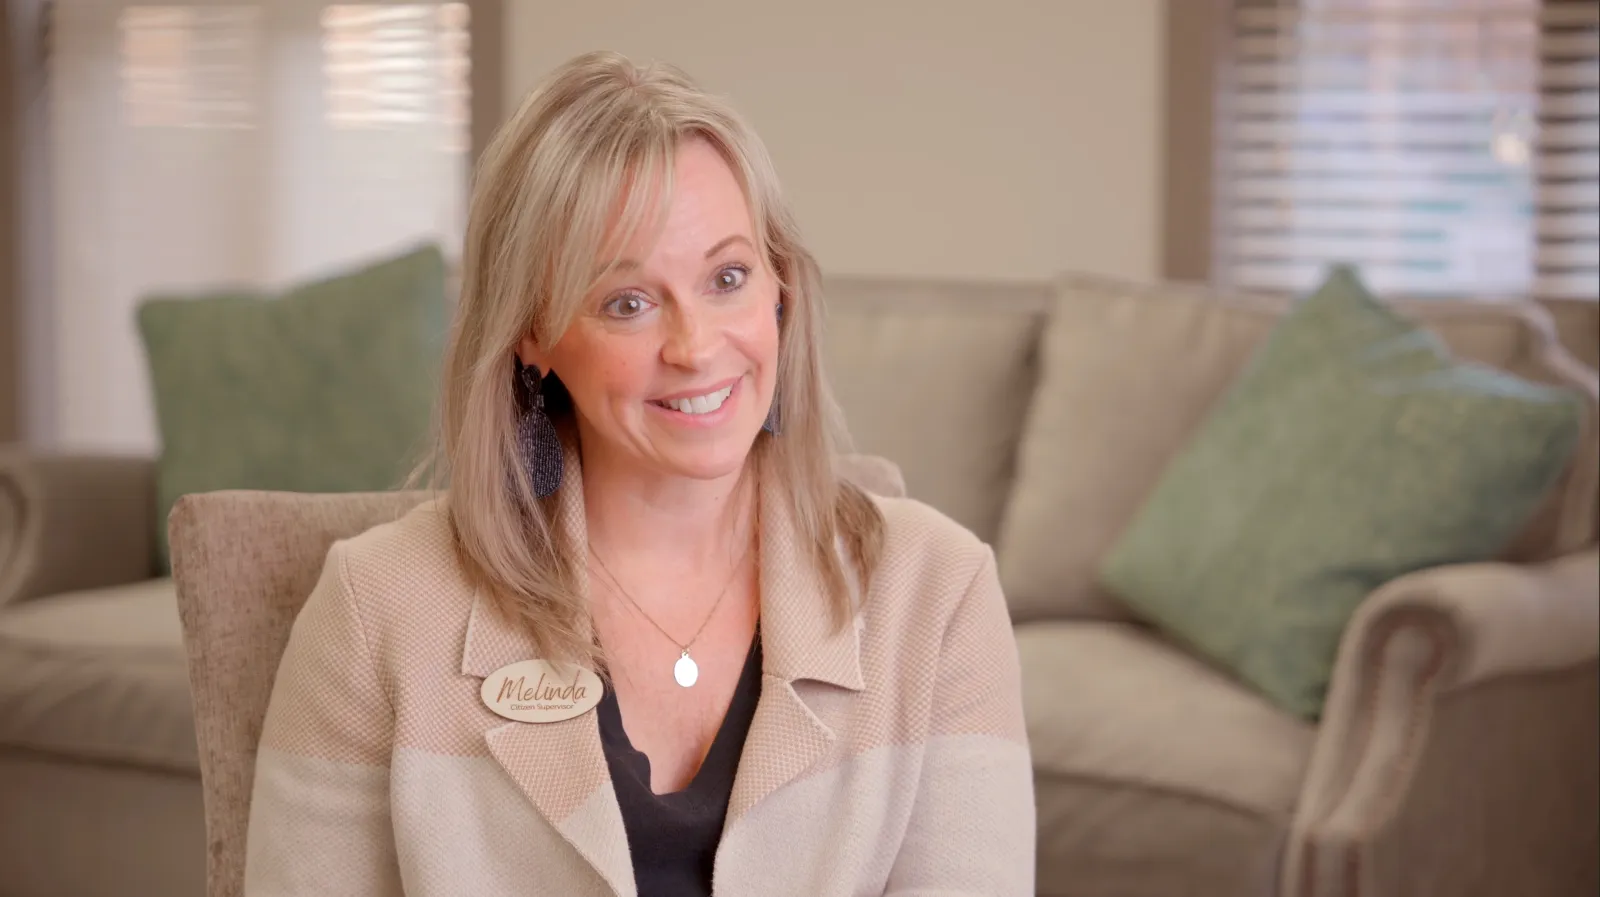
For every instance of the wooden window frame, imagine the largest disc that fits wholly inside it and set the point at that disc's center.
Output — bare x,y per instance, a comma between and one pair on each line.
1193,49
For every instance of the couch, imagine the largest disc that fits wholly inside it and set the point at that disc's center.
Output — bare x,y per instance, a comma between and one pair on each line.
1457,754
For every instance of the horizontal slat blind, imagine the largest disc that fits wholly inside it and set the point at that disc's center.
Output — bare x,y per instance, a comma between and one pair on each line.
202,144
1568,164
1397,135
190,66
391,65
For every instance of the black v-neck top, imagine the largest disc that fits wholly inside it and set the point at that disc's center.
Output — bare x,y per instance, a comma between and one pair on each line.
673,837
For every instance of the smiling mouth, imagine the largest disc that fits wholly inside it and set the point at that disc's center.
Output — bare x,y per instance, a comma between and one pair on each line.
703,404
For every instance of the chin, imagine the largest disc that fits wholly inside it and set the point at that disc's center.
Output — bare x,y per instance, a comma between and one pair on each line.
705,455
708,463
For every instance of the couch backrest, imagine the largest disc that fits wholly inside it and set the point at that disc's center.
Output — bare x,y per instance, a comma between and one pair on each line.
937,376
1127,372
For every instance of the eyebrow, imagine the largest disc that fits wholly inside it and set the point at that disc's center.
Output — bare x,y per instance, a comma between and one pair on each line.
725,242
630,264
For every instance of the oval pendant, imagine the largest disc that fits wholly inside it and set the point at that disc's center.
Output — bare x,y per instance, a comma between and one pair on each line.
686,672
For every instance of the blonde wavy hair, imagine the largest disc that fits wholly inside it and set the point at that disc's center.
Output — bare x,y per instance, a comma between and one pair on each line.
598,135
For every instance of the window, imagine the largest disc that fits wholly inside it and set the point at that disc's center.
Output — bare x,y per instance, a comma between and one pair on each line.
393,65
187,66
1568,167
206,144
1446,147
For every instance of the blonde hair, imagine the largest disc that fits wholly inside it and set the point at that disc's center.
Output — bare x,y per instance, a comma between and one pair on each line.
601,133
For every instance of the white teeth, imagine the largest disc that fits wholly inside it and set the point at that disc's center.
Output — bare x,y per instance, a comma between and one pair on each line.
705,404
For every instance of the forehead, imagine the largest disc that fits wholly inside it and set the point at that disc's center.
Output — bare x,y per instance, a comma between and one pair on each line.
703,181
702,202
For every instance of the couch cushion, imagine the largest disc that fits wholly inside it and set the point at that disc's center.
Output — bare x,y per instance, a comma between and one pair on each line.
1522,340
1125,374
98,675
1128,371
1154,773
1354,450
937,378
328,387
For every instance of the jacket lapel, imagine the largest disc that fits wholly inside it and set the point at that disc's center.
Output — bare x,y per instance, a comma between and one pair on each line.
562,771
799,642
560,767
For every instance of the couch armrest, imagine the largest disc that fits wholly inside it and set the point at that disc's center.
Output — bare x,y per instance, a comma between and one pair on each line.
1457,751
73,522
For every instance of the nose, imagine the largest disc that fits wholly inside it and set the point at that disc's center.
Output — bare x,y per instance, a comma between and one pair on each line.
692,337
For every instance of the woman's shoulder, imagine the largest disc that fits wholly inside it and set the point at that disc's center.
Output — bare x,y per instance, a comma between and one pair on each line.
933,577
923,545
420,536
386,568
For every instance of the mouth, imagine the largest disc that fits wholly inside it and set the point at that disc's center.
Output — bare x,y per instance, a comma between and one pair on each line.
697,405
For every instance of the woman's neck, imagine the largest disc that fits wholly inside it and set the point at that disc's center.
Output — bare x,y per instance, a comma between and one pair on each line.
665,521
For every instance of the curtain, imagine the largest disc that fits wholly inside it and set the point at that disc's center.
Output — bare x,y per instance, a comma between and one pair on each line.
1417,139
214,145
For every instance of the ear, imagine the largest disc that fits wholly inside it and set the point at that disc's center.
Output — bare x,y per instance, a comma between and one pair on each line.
529,353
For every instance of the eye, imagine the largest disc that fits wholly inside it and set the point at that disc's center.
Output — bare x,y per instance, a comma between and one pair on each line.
730,278
626,306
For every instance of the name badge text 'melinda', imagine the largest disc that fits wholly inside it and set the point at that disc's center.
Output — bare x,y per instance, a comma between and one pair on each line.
534,691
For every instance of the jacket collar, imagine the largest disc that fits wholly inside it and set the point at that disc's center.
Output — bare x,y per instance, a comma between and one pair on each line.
799,634
561,767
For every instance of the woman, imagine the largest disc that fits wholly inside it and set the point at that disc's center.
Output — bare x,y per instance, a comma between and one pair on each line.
652,641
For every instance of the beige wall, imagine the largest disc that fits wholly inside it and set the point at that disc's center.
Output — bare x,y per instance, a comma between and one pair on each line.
1006,138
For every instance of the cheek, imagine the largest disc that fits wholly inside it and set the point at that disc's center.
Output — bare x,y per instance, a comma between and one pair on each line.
756,335
596,371
764,326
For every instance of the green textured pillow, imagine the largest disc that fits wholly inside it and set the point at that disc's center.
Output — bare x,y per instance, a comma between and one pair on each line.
1350,451
326,388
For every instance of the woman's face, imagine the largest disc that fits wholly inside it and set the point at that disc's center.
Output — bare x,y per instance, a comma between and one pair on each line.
672,358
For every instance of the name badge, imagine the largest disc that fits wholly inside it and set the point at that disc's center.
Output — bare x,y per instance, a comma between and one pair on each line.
534,691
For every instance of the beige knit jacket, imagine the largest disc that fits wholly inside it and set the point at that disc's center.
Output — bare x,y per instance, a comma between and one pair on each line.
884,758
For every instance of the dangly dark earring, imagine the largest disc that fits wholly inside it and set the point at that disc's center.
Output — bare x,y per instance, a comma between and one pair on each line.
774,422
537,441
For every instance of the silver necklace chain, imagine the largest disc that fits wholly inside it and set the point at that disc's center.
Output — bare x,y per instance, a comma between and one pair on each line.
693,674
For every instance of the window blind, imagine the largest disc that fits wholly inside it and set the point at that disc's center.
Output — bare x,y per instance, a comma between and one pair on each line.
1415,139
396,64
1568,254
217,144
188,66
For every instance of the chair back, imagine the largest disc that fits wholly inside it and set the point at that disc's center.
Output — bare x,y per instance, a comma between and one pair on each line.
244,563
